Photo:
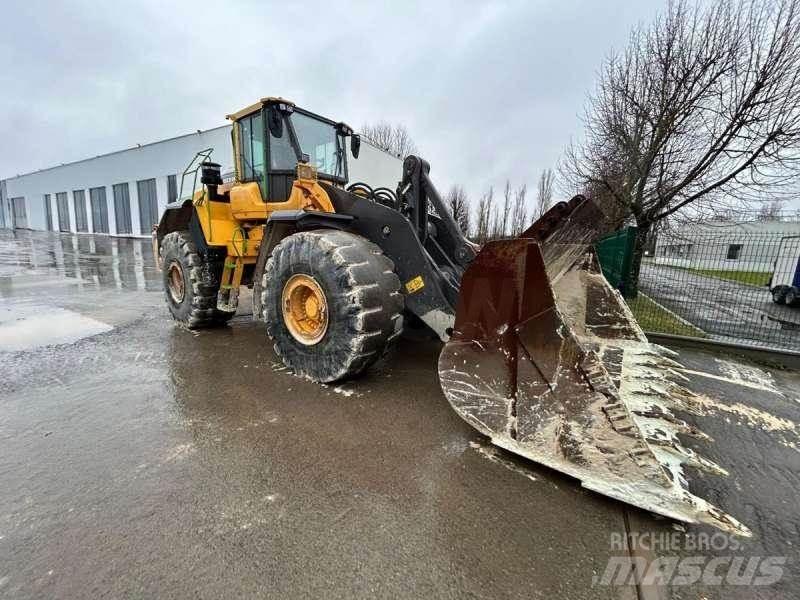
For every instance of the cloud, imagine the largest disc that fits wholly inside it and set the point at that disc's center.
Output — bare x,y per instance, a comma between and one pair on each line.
489,91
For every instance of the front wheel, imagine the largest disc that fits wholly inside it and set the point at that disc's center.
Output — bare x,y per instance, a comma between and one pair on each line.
332,303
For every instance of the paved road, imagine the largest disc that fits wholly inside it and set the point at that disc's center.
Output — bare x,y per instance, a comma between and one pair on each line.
725,310
138,459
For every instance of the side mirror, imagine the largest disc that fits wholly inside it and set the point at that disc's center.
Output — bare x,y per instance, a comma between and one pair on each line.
275,122
355,145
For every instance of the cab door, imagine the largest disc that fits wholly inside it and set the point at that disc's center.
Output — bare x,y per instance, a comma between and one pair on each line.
251,151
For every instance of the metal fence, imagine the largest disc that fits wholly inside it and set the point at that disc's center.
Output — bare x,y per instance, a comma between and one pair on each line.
615,254
715,284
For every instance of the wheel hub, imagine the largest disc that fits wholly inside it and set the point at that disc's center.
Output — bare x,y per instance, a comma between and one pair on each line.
305,309
175,282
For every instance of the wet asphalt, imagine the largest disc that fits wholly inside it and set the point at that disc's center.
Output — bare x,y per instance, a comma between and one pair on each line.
150,461
725,310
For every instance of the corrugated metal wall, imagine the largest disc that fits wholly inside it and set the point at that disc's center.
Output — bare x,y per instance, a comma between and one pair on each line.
19,214
97,198
122,208
48,211
148,205
2,203
63,211
79,198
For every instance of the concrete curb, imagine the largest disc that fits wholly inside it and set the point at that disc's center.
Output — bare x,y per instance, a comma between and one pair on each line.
788,359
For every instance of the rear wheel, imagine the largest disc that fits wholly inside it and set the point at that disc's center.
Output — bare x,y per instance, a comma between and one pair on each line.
191,282
331,302
778,295
792,298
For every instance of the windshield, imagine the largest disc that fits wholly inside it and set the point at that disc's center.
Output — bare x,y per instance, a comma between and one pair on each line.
317,139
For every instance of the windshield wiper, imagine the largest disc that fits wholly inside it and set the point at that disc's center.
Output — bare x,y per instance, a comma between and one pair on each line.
339,157
298,152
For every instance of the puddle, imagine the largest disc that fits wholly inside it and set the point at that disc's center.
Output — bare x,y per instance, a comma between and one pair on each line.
25,327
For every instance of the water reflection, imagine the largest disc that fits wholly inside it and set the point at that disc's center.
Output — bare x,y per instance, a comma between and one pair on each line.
86,260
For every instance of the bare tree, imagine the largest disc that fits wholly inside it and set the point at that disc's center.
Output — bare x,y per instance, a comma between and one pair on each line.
505,217
770,211
483,220
496,227
519,216
615,211
544,193
702,108
724,215
394,139
456,200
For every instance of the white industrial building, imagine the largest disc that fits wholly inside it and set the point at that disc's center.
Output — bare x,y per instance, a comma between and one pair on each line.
123,193
724,246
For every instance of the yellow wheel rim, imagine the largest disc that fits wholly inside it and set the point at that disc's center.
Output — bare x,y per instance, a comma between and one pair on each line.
175,283
305,309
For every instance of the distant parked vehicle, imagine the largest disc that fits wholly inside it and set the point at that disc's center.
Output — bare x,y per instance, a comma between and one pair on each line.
785,281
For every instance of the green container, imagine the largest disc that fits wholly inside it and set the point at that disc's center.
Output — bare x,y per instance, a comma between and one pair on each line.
615,253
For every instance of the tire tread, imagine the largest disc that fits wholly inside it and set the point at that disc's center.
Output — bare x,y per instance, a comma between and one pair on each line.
202,280
368,295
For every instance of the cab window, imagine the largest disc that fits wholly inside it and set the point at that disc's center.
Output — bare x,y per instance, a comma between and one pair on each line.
251,139
281,153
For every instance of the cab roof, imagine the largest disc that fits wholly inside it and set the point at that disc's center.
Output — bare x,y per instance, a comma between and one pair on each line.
256,106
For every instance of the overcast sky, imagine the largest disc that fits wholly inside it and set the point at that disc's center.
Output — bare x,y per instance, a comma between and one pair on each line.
489,91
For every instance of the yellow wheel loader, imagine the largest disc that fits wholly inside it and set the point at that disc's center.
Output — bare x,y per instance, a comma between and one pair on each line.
540,353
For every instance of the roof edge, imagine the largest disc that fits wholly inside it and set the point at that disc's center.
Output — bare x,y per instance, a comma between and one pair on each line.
112,153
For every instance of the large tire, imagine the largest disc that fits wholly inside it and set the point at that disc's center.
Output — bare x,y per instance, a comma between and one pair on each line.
361,292
792,298
778,294
196,306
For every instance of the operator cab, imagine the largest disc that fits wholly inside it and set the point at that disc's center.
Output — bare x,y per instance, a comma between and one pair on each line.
273,136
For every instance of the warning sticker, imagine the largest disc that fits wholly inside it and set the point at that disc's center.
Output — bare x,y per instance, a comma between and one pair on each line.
415,285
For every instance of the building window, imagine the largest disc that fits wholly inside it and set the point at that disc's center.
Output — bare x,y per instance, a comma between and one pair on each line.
63,211
148,205
79,199
734,250
19,214
97,198
172,188
48,212
122,208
